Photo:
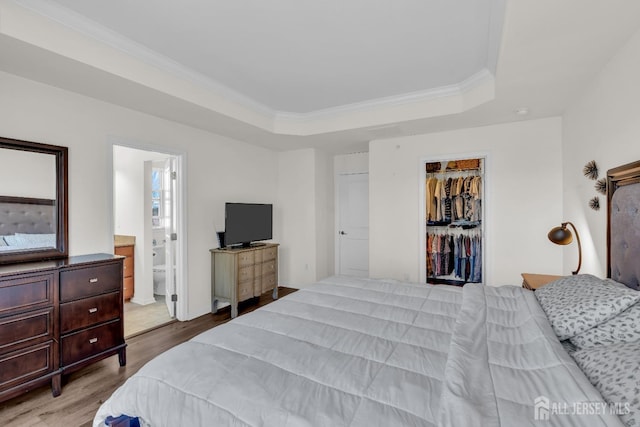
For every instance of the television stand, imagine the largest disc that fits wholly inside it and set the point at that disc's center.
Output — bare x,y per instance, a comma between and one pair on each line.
239,274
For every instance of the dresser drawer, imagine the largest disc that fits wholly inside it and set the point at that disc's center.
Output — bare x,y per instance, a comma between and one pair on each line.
245,273
89,311
127,268
269,267
89,342
257,280
25,293
270,254
90,281
245,290
257,271
269,281
127,289
21,328
26,364
124,250
245,259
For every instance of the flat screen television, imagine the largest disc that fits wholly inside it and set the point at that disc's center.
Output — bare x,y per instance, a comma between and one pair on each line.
245,223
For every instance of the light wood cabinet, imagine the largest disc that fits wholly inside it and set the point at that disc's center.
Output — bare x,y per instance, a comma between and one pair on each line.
240,274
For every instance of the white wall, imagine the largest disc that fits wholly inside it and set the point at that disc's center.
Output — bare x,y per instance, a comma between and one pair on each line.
351,163
305,215
325,207
296,208
219,169
523,199
602,125
128,206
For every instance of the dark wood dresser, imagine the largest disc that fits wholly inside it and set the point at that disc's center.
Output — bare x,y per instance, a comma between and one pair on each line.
56,317
28,328
91,311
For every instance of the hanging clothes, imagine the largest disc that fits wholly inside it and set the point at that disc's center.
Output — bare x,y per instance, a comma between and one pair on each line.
430,195
453,213
453,200
456,255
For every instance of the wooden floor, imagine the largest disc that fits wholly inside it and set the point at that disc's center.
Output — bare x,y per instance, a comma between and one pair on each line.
85,390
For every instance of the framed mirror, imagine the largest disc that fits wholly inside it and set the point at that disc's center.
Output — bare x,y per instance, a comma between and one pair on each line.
33,201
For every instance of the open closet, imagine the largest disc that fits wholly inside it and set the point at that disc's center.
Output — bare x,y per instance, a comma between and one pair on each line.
454,212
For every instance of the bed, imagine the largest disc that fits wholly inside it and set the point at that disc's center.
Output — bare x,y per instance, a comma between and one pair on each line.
26,223
365,352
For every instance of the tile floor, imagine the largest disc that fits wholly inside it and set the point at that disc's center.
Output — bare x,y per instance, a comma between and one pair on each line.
139,318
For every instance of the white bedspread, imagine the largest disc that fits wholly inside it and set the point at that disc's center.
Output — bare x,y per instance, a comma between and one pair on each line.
362,352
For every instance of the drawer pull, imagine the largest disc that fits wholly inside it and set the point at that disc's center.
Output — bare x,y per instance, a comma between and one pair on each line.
94,280
93,310
93,340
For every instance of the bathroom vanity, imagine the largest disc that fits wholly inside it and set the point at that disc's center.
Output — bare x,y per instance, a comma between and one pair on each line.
125,246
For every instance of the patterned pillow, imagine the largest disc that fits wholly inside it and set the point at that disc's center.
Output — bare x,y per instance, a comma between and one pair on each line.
625,327
615,371
576,303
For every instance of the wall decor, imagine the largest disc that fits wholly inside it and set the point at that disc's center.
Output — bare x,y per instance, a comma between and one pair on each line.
594,203
601,186
590,170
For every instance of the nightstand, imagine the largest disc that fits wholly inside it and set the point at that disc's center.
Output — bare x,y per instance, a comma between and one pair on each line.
535,281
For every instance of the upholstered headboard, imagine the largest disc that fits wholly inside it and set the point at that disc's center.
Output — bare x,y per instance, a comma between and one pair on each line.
623,224
26,215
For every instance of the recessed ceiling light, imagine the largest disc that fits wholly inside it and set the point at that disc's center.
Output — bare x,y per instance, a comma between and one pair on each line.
521,111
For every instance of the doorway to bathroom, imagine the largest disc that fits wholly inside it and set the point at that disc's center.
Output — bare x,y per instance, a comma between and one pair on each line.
146,199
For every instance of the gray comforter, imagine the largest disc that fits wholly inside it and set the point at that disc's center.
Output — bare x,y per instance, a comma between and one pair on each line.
362,352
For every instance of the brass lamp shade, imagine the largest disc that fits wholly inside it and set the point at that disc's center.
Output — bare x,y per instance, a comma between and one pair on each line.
562,236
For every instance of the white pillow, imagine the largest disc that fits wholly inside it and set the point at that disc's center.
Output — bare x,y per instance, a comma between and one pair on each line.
12,240
40,240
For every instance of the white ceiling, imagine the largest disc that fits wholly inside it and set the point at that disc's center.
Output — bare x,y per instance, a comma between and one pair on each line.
301,56
332,74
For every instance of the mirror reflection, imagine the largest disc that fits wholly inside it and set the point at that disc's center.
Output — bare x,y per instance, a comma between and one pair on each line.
33,223
27,200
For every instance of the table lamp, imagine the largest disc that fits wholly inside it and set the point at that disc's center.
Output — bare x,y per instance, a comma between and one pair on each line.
562,236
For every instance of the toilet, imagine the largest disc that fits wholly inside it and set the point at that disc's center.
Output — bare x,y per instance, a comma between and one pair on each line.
159,271
159,278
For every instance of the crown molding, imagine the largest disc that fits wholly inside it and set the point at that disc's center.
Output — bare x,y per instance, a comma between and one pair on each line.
481,77
451,99
104,35
473,91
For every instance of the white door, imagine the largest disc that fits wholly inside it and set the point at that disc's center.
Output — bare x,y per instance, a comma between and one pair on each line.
353,224
169,220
